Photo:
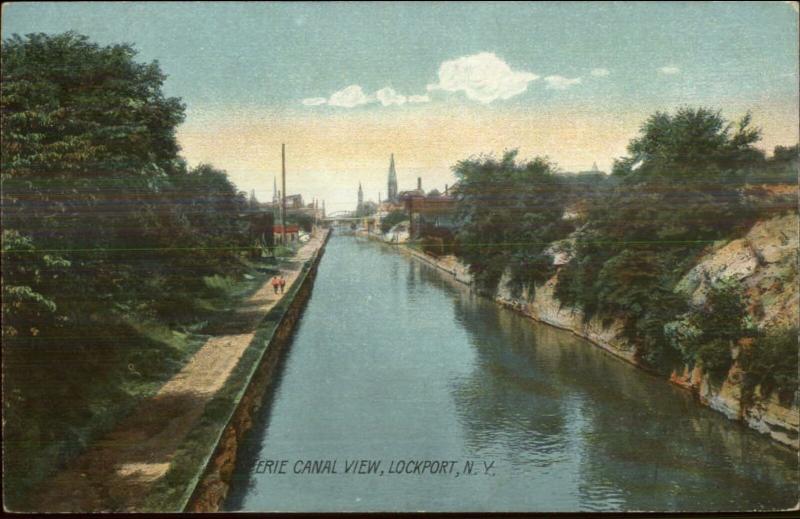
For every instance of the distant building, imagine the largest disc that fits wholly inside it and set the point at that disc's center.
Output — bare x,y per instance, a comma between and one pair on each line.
434,210
294,202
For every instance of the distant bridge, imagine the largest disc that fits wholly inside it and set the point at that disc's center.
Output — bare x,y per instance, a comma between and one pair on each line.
345,216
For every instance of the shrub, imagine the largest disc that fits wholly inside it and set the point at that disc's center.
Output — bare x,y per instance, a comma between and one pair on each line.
715,357
392,219
772,363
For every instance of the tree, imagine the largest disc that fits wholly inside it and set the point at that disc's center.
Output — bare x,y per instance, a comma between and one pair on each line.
509,213
368,208
104,225
392,219
677,191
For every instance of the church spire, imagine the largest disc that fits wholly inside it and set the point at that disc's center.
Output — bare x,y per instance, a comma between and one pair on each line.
360,199
392,191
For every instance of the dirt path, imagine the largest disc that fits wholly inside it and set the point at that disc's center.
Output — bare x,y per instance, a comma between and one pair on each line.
118,470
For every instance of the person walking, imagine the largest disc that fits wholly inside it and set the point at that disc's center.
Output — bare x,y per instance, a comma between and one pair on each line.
275,283
283,283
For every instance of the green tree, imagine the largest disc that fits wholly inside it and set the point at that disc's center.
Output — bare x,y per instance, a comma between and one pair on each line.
392,219
509,213
677,191
103,225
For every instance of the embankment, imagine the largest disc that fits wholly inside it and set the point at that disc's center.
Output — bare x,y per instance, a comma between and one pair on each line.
764,262
210,485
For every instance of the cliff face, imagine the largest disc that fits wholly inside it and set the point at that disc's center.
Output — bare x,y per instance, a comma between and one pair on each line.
764,262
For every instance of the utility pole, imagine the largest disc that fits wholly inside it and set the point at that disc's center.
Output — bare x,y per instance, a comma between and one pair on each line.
283,195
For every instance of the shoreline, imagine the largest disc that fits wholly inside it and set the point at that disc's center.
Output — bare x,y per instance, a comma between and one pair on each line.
714,400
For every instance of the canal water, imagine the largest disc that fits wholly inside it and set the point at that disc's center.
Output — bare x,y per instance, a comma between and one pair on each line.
396,364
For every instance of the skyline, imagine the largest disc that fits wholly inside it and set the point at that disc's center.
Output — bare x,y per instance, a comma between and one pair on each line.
345,85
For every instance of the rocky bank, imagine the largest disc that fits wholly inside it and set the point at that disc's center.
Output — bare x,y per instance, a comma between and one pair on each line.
764,261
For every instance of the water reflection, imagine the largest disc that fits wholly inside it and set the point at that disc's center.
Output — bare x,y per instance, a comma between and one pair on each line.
393,360
643,444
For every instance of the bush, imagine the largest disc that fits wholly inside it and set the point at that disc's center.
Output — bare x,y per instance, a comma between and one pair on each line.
771,362
392,219
715,357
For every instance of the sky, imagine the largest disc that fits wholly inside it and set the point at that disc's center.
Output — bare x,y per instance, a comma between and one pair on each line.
346,84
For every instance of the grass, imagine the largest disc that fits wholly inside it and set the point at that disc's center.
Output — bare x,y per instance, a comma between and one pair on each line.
66,392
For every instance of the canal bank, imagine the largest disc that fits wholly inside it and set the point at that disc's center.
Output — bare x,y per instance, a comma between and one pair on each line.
155,458
767,415
393,361
212,482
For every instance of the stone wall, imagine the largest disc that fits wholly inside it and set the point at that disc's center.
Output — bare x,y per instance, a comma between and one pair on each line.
212,489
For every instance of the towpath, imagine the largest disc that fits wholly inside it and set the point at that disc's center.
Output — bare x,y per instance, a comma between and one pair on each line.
116,472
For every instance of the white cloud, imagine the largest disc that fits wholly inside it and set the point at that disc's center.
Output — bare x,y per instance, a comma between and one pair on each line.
419,99
600,72
387,96
669,70
349,97
314,101
482,77
561,82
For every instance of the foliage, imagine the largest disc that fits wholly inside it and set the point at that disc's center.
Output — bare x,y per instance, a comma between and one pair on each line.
677,191
509,213
771,363
368,208
300,218
104,225
392,219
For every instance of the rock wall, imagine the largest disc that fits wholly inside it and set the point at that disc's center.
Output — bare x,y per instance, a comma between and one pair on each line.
765,262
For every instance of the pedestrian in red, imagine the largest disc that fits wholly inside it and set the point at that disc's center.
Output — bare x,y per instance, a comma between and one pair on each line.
275,283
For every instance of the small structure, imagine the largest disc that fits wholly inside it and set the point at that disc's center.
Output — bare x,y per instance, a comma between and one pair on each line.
292,232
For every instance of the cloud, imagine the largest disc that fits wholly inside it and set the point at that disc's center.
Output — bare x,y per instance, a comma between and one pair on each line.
354,95
600,72
419,99
669,70
482,77
561,82
314,101
349,97
387,96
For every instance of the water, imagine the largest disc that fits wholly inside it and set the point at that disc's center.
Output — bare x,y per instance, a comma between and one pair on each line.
393,361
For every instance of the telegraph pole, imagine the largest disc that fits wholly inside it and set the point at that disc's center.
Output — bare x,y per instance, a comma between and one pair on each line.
283,195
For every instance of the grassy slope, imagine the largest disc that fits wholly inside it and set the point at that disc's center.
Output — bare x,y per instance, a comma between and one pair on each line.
63,401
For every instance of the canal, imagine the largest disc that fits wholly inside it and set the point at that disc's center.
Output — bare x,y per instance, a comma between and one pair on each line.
393,362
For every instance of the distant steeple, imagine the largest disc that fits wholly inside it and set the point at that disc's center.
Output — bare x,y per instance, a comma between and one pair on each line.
594,166
392,193
360,199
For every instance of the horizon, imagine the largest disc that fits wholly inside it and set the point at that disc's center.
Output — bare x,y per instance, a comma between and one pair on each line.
346,85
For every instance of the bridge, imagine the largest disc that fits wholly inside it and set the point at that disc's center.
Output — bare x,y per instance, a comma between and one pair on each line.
347,216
